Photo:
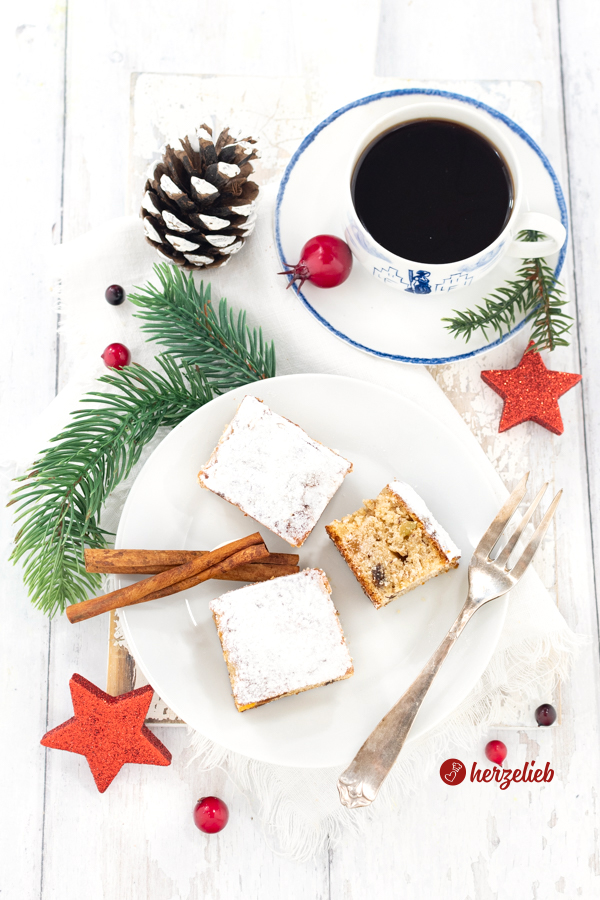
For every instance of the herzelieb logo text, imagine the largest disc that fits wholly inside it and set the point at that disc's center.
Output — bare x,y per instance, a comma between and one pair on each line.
453,772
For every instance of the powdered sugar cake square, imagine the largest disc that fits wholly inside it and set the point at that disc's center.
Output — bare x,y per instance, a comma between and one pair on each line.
273,471
281,637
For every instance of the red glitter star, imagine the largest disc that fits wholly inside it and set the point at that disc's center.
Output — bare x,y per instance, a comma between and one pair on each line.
108,731
530,392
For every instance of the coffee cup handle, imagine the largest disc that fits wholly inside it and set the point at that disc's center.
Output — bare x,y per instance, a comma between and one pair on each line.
532,221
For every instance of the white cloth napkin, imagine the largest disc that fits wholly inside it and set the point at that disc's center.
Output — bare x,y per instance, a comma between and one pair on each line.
299,808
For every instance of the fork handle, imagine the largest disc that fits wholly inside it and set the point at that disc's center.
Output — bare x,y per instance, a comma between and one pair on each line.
360,783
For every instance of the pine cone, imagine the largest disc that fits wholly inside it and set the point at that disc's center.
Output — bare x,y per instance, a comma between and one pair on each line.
198,206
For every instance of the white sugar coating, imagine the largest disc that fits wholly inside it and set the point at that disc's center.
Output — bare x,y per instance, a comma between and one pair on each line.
202,186
149,205
229,170
233,249
281,636
174,223
243,145
181,243
243,210
418,506
219,240
169,187
166,258
274,471
198,260
213,222
151,232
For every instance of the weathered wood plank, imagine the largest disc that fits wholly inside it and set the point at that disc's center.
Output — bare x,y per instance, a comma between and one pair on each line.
580,24
31,72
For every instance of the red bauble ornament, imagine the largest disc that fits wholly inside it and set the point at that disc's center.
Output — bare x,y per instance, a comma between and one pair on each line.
211,815
496,752
116,356
108,731
325,261
545,714
530,392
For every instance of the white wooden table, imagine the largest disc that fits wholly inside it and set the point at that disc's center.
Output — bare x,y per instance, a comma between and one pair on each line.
67,74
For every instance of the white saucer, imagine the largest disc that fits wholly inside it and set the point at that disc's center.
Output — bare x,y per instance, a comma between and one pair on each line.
364,312
177,647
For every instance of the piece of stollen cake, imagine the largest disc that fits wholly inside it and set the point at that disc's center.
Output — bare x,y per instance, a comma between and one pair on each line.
393,543
281,637
273,471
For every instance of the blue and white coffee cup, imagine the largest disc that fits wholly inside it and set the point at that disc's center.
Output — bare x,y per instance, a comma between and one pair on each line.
426,278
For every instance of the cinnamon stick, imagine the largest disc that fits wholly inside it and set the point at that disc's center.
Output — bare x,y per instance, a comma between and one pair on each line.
258,571
241,558
242,552
150,562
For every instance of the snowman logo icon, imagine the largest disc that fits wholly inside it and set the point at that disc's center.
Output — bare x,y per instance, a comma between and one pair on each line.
453,771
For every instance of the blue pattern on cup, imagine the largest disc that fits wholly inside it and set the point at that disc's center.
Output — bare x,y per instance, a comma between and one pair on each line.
419,282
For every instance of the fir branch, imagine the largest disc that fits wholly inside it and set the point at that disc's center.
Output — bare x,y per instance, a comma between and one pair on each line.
536,293
180,316
499,311
59,500
550,323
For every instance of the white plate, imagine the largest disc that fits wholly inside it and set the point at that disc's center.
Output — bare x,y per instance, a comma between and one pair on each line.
364,312
385,436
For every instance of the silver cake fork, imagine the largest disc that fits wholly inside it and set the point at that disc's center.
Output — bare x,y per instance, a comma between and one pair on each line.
488,579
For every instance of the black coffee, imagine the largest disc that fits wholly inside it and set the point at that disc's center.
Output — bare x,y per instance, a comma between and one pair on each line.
432,191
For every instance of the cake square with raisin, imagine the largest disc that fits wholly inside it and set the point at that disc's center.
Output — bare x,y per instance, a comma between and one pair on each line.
273,471
393,543
281,637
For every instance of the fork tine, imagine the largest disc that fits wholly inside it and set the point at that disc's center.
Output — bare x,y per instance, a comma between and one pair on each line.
510,546
536,540
488,541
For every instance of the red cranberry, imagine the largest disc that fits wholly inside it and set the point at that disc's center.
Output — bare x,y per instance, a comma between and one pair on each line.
114,294
116,356
211,815
496,752
545,714
325,260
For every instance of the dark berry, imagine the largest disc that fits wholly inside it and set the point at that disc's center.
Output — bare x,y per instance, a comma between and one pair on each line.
496,752
114,294
116,356
545,714
378,574
211,815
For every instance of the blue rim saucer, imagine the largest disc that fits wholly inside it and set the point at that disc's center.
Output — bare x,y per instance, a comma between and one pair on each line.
373,98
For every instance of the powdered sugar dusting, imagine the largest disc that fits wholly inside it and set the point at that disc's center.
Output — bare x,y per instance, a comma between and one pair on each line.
281,636
274,471
418,506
